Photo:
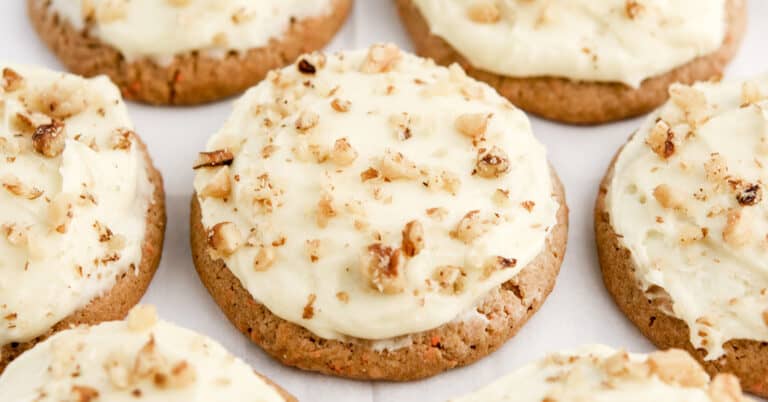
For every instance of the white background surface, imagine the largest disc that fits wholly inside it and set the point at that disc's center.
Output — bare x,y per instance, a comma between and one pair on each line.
578,311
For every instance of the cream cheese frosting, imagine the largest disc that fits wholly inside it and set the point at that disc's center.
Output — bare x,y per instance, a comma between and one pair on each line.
372,194
686,199
161,29
74,194
624,41
140,359
601,374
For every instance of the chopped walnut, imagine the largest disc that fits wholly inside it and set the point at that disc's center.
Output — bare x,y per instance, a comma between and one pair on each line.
307,120
668,198
306,67
725,388
219,186
450,278
343,297
661,140
60,212
716,169
82,393
451,182
413,238
381,58
676,366
313,250
437,213
693,103
220,157
492,163
325,210
473,125
470,227
402,124
341,106
12,80
342,153
142,318
484,12
224,238
691,233
383,267
122,139
309,309
265,257
48,139
394,166
749,194
737,231
13,185
500,197
15,235
750,93
182,375
496,264
633,8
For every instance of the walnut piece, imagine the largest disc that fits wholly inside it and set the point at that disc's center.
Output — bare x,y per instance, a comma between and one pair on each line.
450,278
383,267
749,194
470,227
81,393
716,169
633,8
60,212
325,210
484,12
265,258
224,238
737,231
219,186
221,157
496,264
12,80
395,166
340,105
661,140
381,58
142,318
48,139
413,238
13,185
492,163
473,125
307,120
668,198
693,103
342,153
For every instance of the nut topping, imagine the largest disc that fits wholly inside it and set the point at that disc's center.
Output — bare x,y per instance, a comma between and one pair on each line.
219,186
496,264
394,166
12,80
633,8
749,194
224,238
661,140
473,125
383,267
668,198
413,238
307,120
220,157
60,212
48,139
342,153
381,58
13,185
305,67
470,227
325,210
341,106
492,163
450,278
264,258
737,232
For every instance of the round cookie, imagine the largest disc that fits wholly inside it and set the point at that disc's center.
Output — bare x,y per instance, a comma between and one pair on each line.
184,52
575,92
77,249
678,228
139,358
349,219
600,373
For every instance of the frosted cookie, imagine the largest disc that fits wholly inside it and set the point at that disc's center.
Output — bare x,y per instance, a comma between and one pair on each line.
82,209
583,61
371,215
141,358
184,51
682,230
599,373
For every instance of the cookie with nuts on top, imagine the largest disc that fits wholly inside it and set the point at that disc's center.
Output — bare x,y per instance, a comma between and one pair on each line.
368,214
82,208
182,52
682,231
600,373
141,358
580,62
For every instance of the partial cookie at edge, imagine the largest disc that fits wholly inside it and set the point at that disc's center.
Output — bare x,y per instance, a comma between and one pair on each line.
747,359
431,352
191,78
581,102
129,288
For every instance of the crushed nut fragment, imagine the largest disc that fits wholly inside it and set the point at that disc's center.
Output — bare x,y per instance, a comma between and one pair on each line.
265,257
219,186
325,210
224,238
12,80
341,106
413,238
48,139
13,185
383,267
450,278
749,194
470,227
215,158
661,140
633,8
342,153
496,264
309,310
492,163
394,166
473,125
737,231
307,120
381,58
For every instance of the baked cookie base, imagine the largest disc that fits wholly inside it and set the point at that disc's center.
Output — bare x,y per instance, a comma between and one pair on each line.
431,352
747,359
191,78
581,102
129,288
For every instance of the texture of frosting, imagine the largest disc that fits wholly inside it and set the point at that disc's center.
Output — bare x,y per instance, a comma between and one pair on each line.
74,194
686,199
372,194
140,359
162,29
601,374
623,41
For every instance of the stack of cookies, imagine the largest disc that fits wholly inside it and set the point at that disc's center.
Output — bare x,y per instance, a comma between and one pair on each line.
378,215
